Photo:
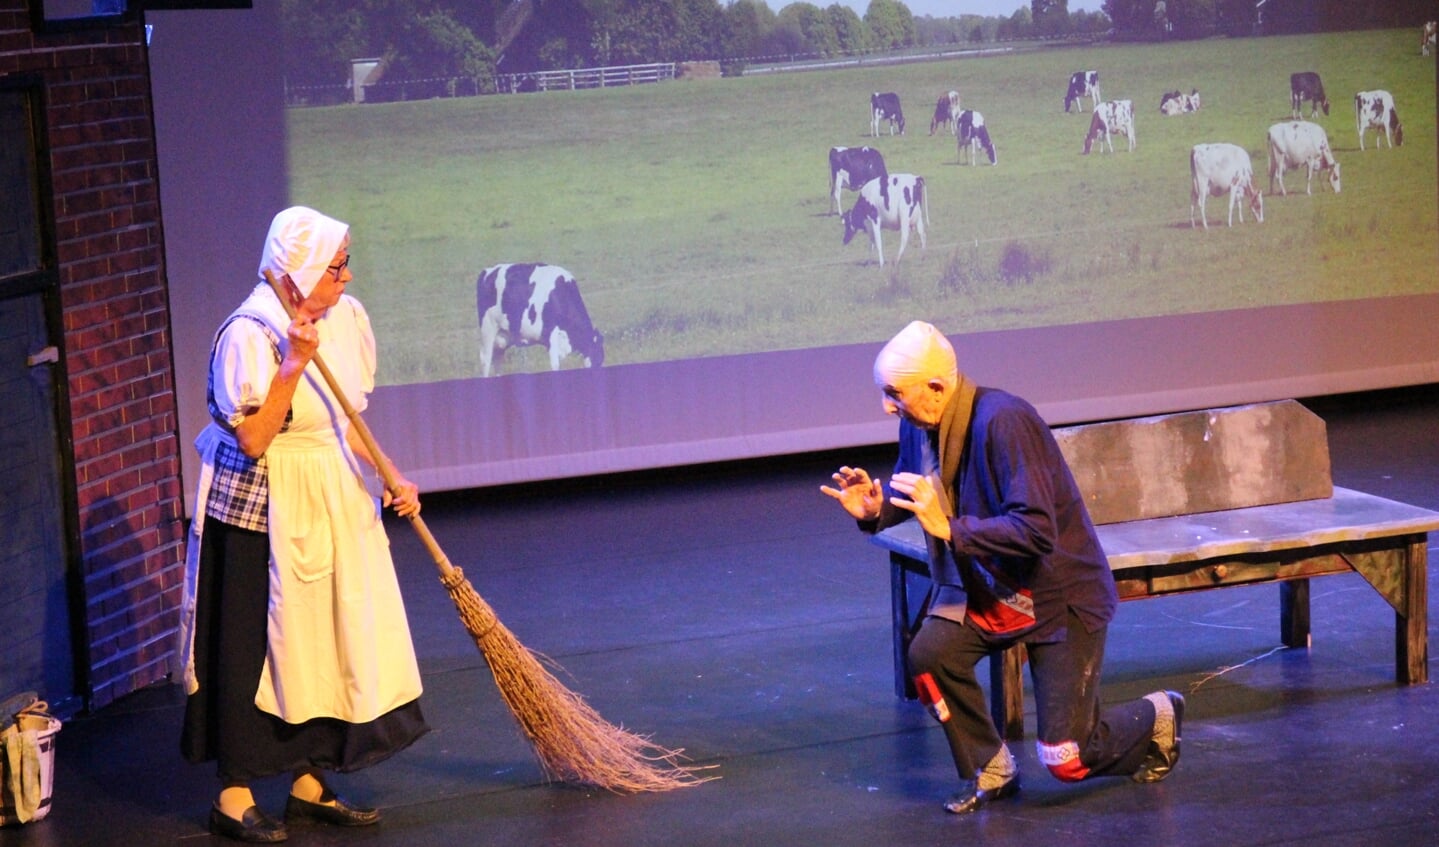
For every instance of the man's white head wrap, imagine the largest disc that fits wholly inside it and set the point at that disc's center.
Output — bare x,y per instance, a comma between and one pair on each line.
302,243
917,354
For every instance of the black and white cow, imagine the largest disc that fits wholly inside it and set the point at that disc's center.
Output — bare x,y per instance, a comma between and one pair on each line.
1375,110
1306,85
900,205
1082,84
1174,103
1111,117
1300,144
523,304
850,168
946,109
973,136
1220,169
1427,36
885,107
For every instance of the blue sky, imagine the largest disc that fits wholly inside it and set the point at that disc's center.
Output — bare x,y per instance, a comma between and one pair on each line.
947,8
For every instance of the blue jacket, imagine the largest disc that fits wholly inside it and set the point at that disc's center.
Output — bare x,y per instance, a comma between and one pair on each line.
1021,539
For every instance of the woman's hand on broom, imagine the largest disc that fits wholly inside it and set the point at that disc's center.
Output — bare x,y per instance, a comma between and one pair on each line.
399,492
404,497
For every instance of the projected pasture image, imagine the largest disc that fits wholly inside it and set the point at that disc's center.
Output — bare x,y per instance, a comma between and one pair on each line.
695,215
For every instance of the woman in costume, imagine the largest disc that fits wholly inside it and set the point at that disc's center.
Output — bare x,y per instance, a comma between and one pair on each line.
297,654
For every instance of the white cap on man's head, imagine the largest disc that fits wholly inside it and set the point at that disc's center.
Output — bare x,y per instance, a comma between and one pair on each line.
918,352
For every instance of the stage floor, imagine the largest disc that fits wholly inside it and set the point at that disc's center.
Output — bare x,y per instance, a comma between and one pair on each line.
735,612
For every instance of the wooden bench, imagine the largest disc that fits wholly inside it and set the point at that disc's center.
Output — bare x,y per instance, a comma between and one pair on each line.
1209,499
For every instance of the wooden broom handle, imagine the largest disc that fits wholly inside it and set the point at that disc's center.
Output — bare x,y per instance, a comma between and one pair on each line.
290,295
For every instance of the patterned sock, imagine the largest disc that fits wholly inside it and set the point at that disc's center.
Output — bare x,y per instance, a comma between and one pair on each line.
998,770
1163,720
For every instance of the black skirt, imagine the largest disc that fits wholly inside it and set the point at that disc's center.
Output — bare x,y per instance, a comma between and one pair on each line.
222,723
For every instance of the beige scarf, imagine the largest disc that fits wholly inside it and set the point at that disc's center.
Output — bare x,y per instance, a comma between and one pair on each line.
953,430
947,598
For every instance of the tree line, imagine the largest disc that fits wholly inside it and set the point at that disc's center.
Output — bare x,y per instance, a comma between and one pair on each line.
478,40
1202,18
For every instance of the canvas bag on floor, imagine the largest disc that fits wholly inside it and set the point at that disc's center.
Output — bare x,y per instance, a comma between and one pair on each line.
27,758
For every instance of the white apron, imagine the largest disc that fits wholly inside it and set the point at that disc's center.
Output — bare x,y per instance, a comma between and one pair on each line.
339,641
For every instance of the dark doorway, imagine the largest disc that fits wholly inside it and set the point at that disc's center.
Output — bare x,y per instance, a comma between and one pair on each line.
39,605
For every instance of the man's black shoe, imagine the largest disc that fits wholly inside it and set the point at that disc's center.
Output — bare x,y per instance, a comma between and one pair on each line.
970,801
1160,762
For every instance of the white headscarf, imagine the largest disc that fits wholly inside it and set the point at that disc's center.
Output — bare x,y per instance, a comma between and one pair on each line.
918,352
302,243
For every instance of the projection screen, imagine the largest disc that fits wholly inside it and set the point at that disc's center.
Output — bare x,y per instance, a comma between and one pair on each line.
697,219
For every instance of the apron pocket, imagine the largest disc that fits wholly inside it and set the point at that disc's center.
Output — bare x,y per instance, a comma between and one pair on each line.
312,555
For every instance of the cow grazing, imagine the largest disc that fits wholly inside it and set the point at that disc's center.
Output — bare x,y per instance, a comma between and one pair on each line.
973,136
523,304
946,109
1082,84
900,205
885,107
850,168
1306,86
1375,110
1427,36
1219,169
1300,144
1111,117
1174,103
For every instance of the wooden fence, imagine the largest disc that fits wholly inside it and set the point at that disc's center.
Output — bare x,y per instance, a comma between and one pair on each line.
578,78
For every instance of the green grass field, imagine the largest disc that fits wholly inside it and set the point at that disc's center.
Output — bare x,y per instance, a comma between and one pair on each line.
694,214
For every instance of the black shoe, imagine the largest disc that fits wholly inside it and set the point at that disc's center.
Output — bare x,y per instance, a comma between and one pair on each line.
331,809
970,801
254,826
1160,763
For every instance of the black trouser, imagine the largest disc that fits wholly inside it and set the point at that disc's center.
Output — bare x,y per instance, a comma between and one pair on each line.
1110,742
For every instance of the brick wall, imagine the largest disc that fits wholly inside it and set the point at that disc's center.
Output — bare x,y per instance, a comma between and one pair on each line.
117,344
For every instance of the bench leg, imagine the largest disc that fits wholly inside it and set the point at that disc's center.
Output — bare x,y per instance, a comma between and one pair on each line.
901,627
1006,691
905,617
1294,613
1411,625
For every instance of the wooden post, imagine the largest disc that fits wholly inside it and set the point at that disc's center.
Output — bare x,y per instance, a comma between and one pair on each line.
1411,635
899,621
1006,697
1294,613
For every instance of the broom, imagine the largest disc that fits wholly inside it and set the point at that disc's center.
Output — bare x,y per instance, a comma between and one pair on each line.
572,741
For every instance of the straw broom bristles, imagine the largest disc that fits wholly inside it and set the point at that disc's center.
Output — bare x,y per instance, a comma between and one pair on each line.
571,740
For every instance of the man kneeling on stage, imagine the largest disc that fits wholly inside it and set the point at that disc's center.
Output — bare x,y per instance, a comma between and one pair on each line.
1013,559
